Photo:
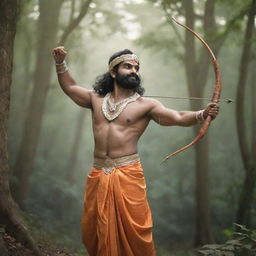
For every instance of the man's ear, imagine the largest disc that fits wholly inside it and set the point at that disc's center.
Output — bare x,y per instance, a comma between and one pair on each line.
113,73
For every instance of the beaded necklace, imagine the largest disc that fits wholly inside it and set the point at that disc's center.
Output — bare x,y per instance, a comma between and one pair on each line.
120,106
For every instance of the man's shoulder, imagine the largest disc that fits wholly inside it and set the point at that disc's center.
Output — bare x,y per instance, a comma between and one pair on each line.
95,95
149,101
147,104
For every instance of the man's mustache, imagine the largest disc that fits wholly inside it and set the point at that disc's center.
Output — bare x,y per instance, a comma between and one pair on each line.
133,75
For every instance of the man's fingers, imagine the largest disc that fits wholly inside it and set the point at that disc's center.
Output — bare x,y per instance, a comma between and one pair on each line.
59,54
59,47
59,50
213,105
213,109
63,52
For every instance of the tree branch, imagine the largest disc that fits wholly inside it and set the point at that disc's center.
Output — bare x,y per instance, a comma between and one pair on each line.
84,10
209,25
168,17
72,11
190,53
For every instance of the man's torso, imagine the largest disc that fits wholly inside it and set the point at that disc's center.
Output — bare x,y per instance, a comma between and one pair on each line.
119,137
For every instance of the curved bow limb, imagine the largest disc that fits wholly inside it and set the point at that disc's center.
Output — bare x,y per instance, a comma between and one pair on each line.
215,96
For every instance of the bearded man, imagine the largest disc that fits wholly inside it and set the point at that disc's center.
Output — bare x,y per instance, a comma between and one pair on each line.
117,218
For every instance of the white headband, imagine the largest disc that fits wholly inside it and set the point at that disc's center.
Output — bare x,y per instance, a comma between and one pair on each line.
122,58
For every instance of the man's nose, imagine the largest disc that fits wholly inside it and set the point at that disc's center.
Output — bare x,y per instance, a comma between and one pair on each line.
134,70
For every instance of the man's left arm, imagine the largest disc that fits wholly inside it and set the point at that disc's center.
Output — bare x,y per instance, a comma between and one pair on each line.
169,117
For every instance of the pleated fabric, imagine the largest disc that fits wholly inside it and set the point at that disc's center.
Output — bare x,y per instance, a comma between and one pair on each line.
117,218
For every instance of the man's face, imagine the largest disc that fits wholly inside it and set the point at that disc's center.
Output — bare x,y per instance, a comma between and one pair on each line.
127,75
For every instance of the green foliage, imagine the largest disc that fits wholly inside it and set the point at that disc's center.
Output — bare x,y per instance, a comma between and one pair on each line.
160,39
242,244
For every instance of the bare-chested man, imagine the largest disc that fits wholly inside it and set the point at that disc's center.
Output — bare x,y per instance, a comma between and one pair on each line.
117,219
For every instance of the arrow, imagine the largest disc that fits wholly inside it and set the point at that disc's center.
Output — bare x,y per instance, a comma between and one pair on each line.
186,98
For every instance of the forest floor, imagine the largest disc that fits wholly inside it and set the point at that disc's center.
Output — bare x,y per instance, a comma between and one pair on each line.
17,249
47,248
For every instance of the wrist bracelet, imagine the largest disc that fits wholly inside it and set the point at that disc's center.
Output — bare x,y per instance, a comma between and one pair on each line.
61,67
200,115
58,64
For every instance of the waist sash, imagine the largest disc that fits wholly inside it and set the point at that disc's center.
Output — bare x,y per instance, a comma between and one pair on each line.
107,165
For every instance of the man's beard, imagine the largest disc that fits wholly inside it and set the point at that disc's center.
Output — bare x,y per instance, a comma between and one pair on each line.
130,81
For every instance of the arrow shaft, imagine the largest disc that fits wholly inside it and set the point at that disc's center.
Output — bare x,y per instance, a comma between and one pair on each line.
187,98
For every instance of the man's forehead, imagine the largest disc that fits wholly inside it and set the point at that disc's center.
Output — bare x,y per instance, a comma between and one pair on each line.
122,58
133,62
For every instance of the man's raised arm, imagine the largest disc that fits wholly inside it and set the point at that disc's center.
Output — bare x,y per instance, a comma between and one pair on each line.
169,117
78,94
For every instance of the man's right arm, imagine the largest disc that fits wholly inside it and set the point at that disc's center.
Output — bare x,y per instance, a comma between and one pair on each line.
169,117
78,94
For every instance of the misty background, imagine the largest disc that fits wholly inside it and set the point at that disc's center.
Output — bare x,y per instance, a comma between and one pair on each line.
196,196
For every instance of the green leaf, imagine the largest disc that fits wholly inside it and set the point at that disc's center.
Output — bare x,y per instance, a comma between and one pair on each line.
242,227
228,232
212,246
234,242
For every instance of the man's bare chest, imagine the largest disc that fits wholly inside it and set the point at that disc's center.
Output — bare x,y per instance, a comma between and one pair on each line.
133,113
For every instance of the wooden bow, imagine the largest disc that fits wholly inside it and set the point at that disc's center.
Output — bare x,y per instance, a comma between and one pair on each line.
215,97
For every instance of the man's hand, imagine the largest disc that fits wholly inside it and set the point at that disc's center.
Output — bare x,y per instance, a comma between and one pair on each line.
59,54
212,110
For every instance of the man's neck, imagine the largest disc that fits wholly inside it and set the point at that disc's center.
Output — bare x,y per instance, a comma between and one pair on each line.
120,93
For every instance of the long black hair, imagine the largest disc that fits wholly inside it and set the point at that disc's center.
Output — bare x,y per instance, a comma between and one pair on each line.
105,83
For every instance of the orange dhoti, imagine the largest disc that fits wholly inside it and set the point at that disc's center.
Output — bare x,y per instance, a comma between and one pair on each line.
117,218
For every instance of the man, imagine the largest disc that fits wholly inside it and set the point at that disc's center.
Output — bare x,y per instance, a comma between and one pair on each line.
117,219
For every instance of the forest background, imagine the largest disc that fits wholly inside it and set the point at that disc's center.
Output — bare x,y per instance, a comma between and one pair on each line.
196,196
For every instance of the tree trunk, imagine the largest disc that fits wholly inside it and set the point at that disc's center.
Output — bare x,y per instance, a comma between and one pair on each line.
3,249
246,198
47,29
27,80
71,168
247,151
197,73
9,218
203,215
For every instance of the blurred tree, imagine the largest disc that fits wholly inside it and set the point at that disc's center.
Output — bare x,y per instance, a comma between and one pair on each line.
10,220
71,167
247,149
47,30
25,25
